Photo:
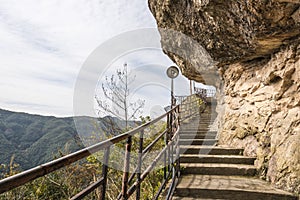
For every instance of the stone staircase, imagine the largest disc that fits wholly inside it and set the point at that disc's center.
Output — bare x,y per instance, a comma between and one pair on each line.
212,172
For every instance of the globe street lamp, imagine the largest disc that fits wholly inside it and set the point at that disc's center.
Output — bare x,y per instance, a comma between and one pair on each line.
172,73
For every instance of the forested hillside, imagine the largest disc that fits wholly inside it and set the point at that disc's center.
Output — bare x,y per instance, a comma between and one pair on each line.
34,139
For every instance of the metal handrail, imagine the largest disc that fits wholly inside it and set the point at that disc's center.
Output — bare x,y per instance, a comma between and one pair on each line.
205,93
189,102
171,164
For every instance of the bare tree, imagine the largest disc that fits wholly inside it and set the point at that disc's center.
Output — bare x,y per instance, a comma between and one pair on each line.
116,99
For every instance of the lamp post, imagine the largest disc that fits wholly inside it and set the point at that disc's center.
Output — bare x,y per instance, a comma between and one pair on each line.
172,73
191,87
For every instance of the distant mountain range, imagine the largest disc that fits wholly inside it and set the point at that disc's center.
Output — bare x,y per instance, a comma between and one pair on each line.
35,139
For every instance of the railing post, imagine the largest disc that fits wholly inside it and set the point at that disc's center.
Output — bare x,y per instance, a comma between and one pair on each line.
191,106
166,143
139,165
173,128
178,111
126,168
169,138
177,144
104,172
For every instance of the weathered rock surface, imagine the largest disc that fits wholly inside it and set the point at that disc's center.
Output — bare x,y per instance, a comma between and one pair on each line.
255,48
261,113
231,31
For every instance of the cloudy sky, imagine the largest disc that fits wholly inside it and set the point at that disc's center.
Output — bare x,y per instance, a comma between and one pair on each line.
44,43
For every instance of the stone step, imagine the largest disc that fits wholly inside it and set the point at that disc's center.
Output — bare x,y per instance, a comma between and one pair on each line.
198,117
210,150
199,121
198,136
195,130
218,169
196,125
203,129
198,132
197,141
227,187
229,159
202,119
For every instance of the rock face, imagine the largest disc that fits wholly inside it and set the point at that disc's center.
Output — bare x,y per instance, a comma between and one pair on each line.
254,47
231,31
261,113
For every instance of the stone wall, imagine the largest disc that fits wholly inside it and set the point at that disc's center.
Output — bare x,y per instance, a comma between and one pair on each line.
260,111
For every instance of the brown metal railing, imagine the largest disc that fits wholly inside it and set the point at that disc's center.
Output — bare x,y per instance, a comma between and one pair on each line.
169,154
190,105
205,93
44,169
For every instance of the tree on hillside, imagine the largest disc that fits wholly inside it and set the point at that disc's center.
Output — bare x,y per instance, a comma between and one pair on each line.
116,96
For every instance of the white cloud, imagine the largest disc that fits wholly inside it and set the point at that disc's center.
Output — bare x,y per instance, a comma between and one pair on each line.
44,43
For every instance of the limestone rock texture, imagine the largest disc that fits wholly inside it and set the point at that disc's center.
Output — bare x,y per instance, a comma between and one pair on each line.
260,111
254,49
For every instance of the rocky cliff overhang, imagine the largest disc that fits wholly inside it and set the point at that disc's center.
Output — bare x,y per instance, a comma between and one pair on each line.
250,50
231,31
